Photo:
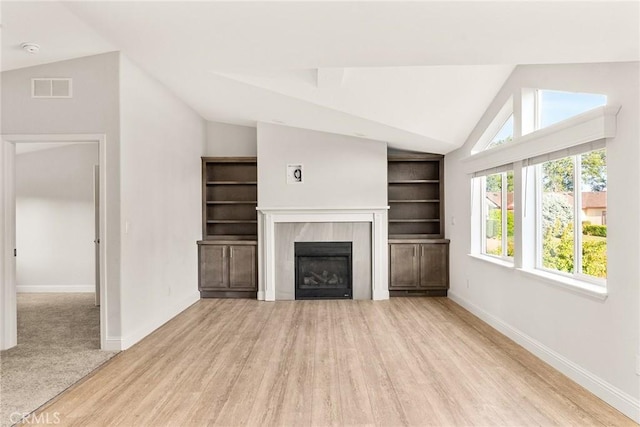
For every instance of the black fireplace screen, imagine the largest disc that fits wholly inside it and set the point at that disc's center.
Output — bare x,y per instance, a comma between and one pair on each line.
323,270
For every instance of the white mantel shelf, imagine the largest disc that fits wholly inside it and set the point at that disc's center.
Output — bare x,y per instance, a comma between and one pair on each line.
376,215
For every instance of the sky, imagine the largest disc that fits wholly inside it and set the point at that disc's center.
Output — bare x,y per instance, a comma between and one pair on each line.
557,106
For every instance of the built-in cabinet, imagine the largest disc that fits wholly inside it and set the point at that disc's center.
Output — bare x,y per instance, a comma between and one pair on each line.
227,253
418,252
419,268
227,269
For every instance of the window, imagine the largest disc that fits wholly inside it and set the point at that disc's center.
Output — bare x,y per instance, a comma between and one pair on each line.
498,215
572,231
499,131
555,106
504,135
558,180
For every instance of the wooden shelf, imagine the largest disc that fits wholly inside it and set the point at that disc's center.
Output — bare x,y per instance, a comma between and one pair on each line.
230,239
415,181
232,202
231,221
414,220
415,201
232,182
415,238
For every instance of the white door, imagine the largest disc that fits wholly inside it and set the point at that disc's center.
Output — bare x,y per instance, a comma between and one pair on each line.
96,241
8,332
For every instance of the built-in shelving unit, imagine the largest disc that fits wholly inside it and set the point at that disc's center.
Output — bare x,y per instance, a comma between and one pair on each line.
418,253
230,195
227,253
415,196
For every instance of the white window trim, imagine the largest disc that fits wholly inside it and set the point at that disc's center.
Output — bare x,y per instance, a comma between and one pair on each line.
502,262
579,287
504,216
596,124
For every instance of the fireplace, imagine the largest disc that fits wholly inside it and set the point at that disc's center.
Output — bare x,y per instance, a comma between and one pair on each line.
323,270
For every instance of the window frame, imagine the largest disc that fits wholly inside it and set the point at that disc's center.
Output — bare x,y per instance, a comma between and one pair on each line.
577,273
484,217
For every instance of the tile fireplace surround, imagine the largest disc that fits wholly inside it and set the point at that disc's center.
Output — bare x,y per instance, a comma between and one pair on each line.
267,255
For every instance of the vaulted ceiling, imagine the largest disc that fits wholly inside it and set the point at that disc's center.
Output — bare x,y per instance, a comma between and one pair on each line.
418,75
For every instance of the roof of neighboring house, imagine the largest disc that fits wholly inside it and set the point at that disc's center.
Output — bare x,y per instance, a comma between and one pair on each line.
594,199
590,199
496,199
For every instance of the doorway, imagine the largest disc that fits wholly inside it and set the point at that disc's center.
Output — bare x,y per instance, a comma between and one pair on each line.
8,250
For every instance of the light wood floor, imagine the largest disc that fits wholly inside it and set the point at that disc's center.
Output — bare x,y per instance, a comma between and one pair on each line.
407,361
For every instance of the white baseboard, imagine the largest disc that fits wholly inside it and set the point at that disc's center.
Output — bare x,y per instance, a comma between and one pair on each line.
112,344
615,397
29,289
380,295
160,320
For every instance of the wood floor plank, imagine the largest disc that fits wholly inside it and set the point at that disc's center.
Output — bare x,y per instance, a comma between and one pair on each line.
326,408
351,381
385,404
407,361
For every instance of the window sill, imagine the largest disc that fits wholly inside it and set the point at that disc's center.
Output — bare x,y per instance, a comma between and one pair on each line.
492,260
573,285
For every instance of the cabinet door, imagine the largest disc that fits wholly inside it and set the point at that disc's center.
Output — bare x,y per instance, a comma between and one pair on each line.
404,266
434,265
242,266
213,267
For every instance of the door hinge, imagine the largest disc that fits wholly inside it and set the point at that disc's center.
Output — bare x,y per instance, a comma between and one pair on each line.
15,252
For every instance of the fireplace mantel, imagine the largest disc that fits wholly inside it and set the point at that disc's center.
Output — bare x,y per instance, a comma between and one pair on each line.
268,217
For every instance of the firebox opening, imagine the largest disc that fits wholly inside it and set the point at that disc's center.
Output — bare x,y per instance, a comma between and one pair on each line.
323,270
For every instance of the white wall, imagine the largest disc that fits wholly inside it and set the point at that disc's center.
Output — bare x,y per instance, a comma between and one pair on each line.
592,341
162,142
339,171
225,140
93,110
55,225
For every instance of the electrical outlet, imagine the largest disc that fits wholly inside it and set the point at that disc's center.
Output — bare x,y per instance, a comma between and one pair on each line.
638,364
467,283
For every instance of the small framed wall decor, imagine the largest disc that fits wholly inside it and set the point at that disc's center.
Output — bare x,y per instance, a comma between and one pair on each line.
294,174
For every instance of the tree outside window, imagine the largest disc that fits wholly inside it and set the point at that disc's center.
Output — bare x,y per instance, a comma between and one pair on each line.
573,208
498,215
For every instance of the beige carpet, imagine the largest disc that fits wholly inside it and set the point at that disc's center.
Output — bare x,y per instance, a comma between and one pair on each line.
58,344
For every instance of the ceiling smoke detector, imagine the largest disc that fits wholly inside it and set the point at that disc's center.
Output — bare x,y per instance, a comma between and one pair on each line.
31,48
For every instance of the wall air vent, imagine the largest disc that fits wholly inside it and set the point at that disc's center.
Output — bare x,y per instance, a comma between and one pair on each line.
51,88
